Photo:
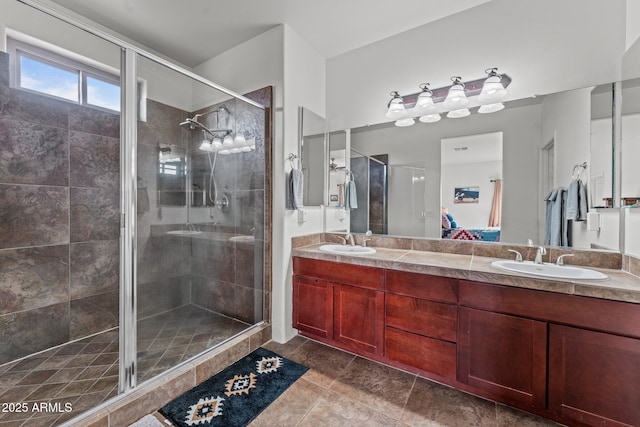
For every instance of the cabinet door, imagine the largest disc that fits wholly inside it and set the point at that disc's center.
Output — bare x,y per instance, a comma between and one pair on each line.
313,307
504,355
594,378
358,319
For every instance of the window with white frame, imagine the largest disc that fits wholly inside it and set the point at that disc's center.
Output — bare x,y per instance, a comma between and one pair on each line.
39,70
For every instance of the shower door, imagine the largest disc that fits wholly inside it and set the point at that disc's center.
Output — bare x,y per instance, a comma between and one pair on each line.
59,217
200,217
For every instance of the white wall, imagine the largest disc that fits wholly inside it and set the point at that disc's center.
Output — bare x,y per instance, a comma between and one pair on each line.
304,82
526,39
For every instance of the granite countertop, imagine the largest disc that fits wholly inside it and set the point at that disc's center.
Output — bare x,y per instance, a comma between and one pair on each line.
620,286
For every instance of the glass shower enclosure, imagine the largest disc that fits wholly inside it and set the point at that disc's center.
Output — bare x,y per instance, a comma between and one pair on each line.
199,217
132,232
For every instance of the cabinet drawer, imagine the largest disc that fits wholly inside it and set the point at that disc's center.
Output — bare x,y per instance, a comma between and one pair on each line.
427,354
423,286
422,317
357,275
620,318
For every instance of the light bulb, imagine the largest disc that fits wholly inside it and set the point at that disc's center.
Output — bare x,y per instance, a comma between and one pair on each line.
425,104
492,90
396,107
234,150
456,114
245,149
456,98
227,140
216,142
491,108
430,118
205,145
239,139
224,152
405,122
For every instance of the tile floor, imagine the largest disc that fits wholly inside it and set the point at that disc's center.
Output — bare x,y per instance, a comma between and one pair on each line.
85,373
341,389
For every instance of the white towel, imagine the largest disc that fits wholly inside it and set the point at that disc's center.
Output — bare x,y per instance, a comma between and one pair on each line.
351,196
577,201
295,186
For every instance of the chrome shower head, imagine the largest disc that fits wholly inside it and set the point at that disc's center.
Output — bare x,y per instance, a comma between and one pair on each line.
188,124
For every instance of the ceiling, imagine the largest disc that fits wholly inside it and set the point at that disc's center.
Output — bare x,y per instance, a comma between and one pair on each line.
193,31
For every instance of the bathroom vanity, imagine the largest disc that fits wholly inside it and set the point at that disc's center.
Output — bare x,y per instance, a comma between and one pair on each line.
530,343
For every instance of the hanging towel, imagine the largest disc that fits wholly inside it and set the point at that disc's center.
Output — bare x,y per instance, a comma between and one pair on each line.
577,201
350,195
295,184
556,230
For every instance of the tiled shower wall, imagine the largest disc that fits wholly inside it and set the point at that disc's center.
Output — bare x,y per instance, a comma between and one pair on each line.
59,220
229,277
213,272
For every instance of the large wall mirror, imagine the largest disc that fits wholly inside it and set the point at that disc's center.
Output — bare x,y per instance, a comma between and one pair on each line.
537,144
311,145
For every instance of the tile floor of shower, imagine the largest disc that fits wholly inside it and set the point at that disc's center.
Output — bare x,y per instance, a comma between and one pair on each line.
85,373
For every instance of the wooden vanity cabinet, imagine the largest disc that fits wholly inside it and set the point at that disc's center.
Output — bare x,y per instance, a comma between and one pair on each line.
339,304
594,378
421,322
570,358
358,319
313,307
504,355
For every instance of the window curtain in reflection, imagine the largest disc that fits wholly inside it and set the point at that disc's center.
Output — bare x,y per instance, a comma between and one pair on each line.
496,204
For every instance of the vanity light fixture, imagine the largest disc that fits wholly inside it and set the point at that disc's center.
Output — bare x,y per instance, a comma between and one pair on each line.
425,103
491,108
409,121
455,100
229,144
456,114
395,108
492,89
430,118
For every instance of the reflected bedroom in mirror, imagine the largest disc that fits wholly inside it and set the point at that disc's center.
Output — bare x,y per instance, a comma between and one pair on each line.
490,177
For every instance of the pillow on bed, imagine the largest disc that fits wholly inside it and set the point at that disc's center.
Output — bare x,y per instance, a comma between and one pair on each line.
446,224
452,222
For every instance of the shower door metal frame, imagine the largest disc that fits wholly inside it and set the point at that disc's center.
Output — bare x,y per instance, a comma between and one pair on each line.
128,181
128,221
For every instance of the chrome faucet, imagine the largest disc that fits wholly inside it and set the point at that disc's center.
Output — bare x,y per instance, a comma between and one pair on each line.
191,227
560,260
349,237
518,254
364,238
539,252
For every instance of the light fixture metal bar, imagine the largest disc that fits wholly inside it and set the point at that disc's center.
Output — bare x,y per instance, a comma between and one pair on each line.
471,88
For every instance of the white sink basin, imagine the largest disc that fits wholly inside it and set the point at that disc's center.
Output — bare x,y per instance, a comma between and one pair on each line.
184,232
347,250
550,270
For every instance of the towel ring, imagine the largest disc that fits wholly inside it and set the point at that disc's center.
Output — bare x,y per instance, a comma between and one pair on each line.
577,170
292,157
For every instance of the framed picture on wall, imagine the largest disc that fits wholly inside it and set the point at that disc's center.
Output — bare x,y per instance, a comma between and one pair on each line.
466,194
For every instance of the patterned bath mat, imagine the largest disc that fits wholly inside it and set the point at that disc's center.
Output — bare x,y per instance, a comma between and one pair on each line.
237,394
